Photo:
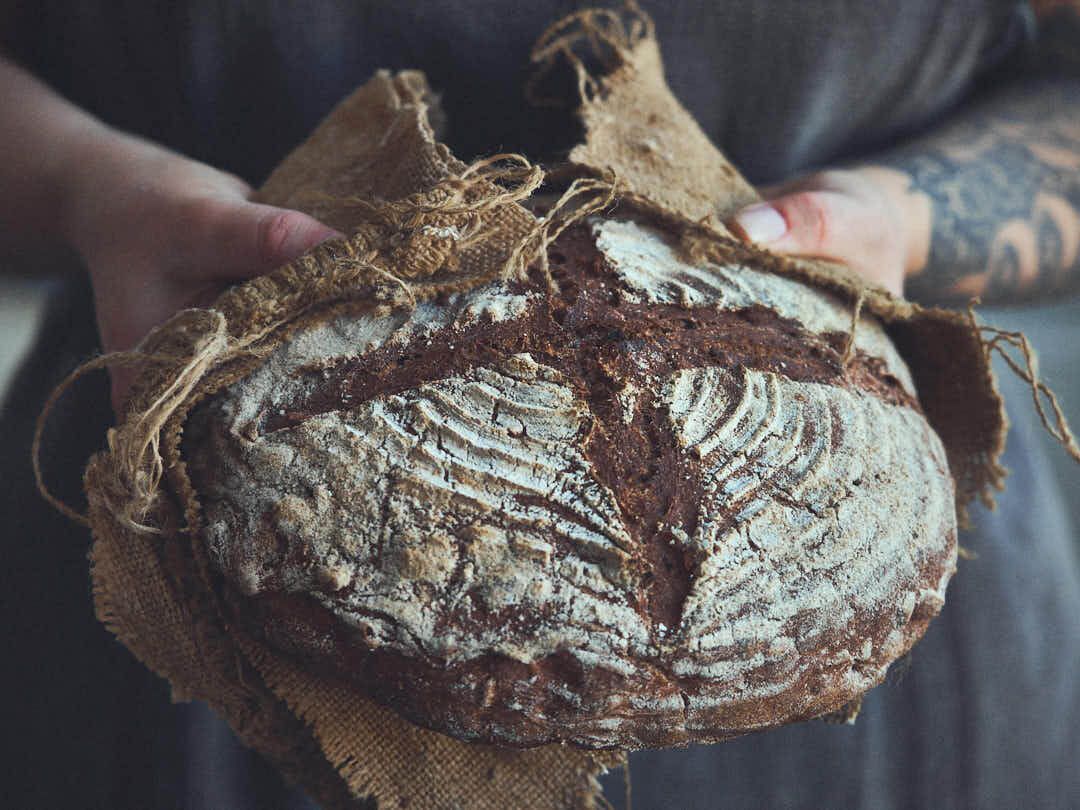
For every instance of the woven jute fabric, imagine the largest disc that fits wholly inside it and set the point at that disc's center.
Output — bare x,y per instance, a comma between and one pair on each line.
155,590
421,223
638,132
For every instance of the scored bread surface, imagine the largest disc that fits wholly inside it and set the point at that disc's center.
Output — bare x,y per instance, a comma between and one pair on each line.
657,507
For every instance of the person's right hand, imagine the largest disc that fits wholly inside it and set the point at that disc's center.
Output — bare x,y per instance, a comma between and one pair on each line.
160,232
862,217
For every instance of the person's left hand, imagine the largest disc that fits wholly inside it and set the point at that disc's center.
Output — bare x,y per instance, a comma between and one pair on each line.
160,232
862,218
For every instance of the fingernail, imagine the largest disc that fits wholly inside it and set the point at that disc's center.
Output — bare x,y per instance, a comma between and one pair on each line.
302,238
761,223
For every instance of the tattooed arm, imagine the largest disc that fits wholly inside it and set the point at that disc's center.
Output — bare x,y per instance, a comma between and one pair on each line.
988,205
1002,185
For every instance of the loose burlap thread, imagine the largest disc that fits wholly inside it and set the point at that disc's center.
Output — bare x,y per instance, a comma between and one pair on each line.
421,223
442,226
637,131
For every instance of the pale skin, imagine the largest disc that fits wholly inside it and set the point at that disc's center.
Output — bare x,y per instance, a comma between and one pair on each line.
864,218
985,206
159,232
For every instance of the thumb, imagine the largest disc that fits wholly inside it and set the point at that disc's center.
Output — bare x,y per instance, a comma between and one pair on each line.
231,240
856,230
206,244
820,223
808,223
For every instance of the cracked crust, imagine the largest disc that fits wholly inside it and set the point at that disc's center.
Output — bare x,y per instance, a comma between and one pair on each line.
654,509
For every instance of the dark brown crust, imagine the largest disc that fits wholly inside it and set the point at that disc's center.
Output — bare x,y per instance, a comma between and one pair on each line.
592,311
432,695
601,341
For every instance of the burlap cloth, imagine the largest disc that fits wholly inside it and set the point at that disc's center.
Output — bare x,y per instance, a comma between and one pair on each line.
420,222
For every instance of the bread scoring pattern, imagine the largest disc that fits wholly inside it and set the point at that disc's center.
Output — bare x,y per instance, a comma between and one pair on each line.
654,509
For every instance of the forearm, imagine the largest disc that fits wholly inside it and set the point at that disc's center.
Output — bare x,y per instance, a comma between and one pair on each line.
68,178
43,143
992,200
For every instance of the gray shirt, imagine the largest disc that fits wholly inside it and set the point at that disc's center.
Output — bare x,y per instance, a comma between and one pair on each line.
986,712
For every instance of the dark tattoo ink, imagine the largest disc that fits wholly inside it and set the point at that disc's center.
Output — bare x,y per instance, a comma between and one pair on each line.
1004,188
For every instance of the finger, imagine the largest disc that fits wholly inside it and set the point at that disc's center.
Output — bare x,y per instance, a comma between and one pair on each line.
808,223
228,240
762,224
283,235
831,180
826,225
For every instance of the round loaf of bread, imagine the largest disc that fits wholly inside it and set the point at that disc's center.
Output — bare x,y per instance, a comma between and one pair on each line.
661,505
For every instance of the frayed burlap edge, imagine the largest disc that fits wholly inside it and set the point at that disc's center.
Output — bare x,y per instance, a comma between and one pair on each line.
422,223
637,130
454,226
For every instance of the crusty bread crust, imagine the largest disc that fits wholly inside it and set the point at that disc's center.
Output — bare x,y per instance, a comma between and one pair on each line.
658,507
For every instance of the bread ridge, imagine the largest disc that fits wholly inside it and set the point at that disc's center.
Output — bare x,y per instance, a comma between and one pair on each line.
593,610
